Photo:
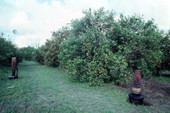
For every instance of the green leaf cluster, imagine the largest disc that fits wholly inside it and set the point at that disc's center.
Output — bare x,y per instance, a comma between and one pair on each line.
28,53
7,51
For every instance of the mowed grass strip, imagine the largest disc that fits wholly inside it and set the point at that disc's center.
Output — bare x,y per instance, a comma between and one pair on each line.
42,89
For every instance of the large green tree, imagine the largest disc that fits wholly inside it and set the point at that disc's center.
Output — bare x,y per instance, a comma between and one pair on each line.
104,49
97,48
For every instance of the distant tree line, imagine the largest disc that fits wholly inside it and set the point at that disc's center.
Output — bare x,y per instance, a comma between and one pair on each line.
28,53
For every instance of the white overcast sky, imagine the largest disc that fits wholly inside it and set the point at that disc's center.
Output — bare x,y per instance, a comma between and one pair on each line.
35,19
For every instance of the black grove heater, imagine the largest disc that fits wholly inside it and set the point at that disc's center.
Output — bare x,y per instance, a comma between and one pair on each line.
14,68
135,96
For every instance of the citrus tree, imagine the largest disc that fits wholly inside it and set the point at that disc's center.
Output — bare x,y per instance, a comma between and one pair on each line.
103,49
98,48
8,50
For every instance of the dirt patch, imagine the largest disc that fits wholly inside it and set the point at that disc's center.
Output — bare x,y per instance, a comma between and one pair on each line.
156,93
153,89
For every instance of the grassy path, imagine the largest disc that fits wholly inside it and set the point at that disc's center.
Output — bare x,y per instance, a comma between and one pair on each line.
42,89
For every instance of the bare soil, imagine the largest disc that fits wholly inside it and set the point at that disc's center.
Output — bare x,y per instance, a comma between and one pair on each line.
156,93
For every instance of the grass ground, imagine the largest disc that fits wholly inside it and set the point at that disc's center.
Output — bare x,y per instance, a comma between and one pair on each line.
42,89
162,79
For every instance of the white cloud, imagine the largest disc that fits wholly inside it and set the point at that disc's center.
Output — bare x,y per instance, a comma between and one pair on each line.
31,39
35,20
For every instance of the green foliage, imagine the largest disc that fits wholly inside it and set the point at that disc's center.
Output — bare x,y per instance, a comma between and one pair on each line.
51,55
39,54
139,42
165,47
7,51
97,48
28,53
102,49
48,54
88,56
